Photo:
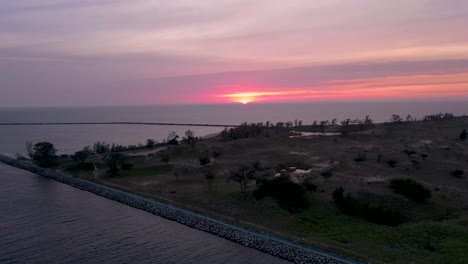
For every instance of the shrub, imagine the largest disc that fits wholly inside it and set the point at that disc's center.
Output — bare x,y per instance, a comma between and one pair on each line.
379,157
392,163
409,152
289,195
347,204
101,147
338,195
463,135
150,143
438,116
374,213
309,185
112,161
257,165
411,189
172,138
245,130
457,173
204,161
424,156
326,174
126,166
360,158
216,154
395,119
81,155
165,158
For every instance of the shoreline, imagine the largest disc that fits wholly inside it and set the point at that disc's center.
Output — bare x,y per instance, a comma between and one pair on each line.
115,123
275,246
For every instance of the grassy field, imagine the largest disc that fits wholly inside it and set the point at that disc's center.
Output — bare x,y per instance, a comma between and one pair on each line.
363,163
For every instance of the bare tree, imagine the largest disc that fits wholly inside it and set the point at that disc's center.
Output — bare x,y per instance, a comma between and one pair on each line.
242,176
395,119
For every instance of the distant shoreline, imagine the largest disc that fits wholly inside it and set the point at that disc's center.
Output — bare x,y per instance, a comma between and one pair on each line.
114,123
266,243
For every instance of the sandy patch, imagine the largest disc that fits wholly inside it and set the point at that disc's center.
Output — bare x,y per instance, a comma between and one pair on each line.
298,153
296,134
144,152
375,179
426,142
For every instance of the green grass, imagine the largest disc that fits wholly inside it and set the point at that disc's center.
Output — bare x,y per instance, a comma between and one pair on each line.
422,242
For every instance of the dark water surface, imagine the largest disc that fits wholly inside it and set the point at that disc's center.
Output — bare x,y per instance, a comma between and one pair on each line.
43,221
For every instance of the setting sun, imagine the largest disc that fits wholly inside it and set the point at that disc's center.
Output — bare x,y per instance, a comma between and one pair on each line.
248,97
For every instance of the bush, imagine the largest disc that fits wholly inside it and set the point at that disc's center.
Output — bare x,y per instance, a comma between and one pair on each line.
189,138
309,185
457,173
392,163
374,213
165,158
326,174
409,152
360,158
411,189
112,161
150,143
463,135
257,165
216,154
438,117
101,147
204,161
395,119
289,195
347,204
244,130
126,166
81,155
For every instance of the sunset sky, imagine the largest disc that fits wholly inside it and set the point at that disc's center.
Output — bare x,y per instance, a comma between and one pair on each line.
120,52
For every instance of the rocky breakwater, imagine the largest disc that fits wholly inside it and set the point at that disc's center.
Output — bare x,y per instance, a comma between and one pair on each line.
278,247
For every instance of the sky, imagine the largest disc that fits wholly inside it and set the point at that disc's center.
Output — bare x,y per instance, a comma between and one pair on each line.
143,52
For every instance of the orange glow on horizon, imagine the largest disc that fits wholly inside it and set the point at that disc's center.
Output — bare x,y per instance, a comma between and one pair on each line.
395,87
248,97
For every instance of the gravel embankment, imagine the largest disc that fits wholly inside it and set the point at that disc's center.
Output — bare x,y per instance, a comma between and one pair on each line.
263,242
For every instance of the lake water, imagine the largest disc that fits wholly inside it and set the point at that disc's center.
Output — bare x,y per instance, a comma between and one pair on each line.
70,138
43,221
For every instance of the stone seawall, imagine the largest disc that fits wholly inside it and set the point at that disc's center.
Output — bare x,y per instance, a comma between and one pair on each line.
278,247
